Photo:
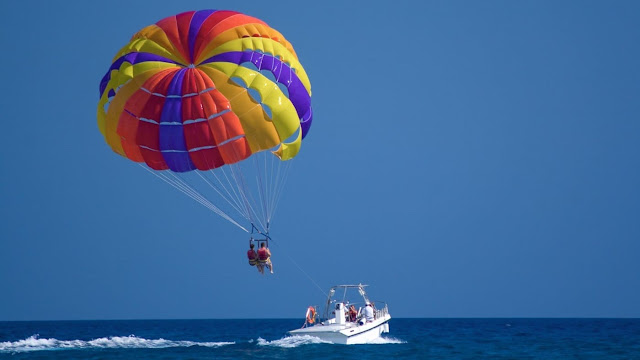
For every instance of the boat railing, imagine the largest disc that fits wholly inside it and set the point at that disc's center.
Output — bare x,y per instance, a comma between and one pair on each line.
381,311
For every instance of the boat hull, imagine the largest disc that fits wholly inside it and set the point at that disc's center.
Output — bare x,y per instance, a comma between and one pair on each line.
347,334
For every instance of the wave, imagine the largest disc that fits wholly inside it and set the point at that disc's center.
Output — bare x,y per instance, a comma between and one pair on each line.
292,341
386,340
298,340
34,343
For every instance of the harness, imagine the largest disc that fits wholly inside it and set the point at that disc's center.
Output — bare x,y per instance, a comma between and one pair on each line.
263,256
265,259
252,259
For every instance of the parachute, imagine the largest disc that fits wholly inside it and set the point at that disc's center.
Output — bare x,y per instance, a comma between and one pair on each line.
214,103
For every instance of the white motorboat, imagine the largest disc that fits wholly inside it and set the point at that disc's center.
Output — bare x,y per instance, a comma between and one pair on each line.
347,322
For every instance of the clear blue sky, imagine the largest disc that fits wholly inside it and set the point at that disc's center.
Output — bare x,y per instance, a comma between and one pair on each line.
467,159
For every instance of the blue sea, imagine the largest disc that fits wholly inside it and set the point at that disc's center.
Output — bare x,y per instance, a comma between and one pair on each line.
267,339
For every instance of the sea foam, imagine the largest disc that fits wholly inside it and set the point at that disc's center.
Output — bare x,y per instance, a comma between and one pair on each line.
386,340
292,341
34,343
298,340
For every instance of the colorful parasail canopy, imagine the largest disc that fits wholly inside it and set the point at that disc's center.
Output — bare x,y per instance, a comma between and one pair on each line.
202,89
206,90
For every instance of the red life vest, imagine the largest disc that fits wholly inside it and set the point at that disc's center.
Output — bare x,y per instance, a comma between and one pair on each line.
251,254
262,254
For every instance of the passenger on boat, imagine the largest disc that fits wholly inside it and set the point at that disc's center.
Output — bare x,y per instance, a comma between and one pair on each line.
252,256
368,312
264,258
353,313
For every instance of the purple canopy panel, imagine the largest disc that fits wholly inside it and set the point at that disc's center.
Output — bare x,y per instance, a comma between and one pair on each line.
194,28
171,137
132,58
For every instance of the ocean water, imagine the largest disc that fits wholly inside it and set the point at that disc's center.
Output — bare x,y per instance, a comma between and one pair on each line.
267,339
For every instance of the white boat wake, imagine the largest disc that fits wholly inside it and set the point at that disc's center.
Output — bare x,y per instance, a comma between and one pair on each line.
299,340
34,343
386,340
292,341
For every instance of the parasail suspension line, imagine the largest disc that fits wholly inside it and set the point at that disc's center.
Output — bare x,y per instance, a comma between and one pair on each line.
190,192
